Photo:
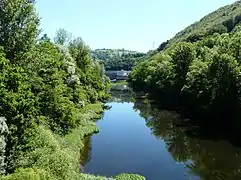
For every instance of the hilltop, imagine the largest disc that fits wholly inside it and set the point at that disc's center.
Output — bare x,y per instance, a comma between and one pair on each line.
117,59
224,20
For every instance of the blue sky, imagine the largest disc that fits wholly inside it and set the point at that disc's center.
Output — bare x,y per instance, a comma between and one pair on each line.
129,24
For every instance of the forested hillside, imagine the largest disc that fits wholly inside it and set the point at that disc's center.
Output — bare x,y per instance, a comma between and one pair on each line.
225,20
118,59
203,76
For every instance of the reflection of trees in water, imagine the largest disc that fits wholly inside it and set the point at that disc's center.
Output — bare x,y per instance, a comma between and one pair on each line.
121,95
208,159
85,153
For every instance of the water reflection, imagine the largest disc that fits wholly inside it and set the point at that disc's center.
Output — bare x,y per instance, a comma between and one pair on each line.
207,158
121,93
210,159
85,154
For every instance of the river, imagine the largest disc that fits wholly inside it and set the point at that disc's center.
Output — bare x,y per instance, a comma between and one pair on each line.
137,137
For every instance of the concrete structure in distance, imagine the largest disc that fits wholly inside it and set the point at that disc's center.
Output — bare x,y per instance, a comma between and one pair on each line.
118,74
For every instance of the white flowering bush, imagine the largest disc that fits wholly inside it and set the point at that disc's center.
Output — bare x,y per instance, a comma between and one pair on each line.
3,133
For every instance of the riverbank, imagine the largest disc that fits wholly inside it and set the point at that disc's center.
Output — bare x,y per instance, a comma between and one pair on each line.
55,157
117,83
138,131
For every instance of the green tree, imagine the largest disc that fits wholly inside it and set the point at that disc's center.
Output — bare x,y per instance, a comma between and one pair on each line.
45,38
197,87
18,27
160,72
43,84
235,46
18,105
138,75
62,37
224,74
80,52
182,56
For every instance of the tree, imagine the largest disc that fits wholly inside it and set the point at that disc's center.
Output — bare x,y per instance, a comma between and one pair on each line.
17,104
160,72
162,46
18,27
197,87
80,52
224,75
62,37
45,38
182,56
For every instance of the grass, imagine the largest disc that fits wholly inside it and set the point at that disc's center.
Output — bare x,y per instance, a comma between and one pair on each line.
118,83
129,177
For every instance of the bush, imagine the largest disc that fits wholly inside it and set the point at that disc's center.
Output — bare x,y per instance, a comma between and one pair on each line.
29,174
3,133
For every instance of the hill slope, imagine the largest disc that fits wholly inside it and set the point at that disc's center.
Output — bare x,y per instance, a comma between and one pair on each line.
204,74
117,59
223,20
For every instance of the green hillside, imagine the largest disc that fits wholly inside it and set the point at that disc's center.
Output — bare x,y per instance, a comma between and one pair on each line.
117,59
224,20
203,76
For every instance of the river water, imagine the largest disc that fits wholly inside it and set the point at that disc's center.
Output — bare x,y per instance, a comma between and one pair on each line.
137,137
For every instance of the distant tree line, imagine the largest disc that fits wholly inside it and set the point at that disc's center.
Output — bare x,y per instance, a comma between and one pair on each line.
118,59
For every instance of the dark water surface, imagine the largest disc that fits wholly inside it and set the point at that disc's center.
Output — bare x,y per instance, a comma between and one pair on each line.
137,137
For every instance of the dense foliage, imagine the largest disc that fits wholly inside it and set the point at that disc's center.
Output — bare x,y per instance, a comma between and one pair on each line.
46,92
3,134
225,20
118,59
203,76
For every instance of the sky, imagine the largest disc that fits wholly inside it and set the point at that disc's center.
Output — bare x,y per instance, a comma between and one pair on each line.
128,24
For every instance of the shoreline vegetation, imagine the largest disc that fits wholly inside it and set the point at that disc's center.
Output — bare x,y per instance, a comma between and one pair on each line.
51,94
117,83
199,76
68,148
